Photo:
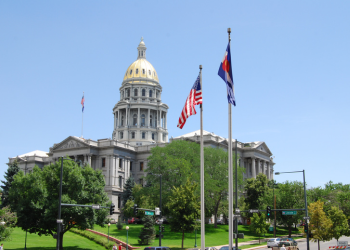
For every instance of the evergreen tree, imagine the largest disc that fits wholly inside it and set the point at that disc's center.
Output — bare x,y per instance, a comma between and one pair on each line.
11,171
148,232
127,193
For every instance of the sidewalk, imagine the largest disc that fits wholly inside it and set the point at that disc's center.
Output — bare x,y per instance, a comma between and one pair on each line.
253,242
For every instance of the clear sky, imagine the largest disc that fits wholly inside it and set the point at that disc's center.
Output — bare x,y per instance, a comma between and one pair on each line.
290,68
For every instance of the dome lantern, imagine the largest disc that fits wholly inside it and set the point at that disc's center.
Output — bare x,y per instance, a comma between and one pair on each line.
141,49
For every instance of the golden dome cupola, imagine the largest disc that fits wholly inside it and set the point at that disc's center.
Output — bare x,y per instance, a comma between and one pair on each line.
141,70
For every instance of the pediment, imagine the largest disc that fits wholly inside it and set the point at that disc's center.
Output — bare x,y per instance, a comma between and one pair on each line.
70,142
264,148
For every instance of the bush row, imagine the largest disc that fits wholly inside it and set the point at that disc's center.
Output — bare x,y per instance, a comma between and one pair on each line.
94,237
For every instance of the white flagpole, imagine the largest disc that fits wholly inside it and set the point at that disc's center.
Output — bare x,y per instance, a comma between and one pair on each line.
202,171
82,119
230,172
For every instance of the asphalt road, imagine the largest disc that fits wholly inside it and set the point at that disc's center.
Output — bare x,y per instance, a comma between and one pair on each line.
314,246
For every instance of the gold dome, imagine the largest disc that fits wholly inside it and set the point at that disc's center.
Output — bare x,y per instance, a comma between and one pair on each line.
141,68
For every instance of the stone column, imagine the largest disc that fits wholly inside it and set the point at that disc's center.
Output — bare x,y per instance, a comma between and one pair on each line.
118,121
166,125
148,119
89,159
115,119
268,171
253,168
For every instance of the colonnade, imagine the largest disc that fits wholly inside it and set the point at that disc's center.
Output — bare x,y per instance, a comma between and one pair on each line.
255,166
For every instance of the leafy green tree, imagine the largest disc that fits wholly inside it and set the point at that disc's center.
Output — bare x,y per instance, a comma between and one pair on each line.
10,220
256,189
127,190
320,226
184,208
216,184
175,162
147,233
258,224
9,174
36,194
340,223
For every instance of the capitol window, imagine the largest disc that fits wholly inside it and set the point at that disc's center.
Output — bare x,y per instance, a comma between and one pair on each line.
152,136
143,92
143,71
141,166
143,120
135,120
103,162
137,71
121,135
130,71
149,72
135,92
143,135
150,93
132,135
150,120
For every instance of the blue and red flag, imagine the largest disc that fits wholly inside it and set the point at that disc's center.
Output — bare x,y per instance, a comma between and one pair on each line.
225,72
82,103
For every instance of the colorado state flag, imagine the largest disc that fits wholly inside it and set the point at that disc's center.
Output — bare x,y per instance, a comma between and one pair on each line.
225,72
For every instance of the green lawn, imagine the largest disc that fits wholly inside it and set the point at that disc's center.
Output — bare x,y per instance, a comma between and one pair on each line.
213,237
71,241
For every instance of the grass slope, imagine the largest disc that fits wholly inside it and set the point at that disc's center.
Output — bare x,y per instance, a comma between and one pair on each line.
71,241
213,236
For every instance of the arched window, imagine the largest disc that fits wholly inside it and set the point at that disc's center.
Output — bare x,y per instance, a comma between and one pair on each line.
154,73
141,53
143,92
150,93
149,72
143,120
152,136
143,135
150,120
143,71
120,181
134,122
130,71
137,71
122,121
135,92
155,121
132,135
128,93
121,135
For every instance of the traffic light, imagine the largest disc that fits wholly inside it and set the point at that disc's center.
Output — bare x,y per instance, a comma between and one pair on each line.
268,211
111,210
135,209
306,228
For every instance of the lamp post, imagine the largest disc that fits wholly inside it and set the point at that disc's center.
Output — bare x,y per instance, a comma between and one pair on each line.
274,206
109,224
127,236
160,205
306,214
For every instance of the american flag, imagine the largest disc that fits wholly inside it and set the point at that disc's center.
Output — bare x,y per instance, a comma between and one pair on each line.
82,103
194,98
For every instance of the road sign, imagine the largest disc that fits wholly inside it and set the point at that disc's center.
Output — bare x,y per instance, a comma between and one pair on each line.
253,210
149,213
289,212
306,218
95,206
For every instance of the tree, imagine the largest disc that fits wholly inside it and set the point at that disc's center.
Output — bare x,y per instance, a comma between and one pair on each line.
320,226
216,184
127,191
256,189
36,194
10,173
175,162
147,233
340,223
258,224
10,220
184,208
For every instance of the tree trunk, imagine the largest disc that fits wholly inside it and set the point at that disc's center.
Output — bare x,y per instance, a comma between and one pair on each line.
183,237
290,231
61,241
318,243
259,239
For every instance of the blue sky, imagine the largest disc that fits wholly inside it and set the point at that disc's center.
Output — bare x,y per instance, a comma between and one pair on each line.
290,63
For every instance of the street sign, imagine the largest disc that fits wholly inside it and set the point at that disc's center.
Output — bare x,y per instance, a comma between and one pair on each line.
289,212
253,210
237,210
306,218
95,206
60,221
149,213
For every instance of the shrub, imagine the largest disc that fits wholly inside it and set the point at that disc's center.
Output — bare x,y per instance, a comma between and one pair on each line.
96,238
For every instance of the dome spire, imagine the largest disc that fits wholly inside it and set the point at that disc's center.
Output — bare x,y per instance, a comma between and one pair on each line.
141,49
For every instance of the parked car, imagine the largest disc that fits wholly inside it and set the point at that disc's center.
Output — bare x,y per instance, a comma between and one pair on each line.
134,220
226,248
220,221
290,245
290,239
156,248
211,248
273,242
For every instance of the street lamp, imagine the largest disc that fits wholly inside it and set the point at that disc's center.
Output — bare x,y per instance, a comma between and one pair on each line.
274,206
127,236
160,205
306,214
109,224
